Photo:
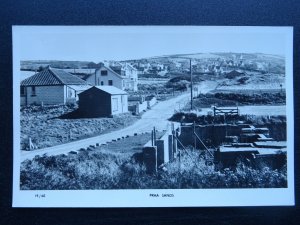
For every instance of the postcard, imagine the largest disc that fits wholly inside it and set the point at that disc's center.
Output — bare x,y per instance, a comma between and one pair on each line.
153,116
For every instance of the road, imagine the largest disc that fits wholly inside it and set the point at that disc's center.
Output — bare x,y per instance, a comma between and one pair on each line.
156,117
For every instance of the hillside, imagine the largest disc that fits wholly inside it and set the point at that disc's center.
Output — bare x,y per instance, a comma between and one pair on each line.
36,64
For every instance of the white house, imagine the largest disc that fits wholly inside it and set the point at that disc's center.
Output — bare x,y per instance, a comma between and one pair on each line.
50,87
120,76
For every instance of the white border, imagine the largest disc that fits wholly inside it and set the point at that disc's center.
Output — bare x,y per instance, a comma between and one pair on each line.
141,198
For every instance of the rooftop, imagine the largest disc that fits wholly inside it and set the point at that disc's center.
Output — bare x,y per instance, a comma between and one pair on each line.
111,90
51,76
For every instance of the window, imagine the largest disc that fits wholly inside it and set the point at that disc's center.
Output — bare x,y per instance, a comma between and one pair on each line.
98,81
103,72
102,83
23,91
33,91
110,82
114,103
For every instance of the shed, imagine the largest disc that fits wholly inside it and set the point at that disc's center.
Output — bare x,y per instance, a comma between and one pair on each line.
103,101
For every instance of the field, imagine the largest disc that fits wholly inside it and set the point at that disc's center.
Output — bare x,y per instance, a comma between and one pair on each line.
253,82
238,98
156,88
45,126
153,81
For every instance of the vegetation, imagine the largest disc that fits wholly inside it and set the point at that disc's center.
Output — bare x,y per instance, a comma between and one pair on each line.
232,99
255,99
52,125
98,170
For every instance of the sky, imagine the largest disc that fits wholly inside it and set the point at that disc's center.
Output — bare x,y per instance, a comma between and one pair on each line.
98,43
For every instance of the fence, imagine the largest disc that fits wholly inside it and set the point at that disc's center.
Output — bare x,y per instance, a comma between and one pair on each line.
226,111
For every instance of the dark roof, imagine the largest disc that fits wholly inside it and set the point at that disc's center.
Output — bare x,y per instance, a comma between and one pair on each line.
52,76
234,74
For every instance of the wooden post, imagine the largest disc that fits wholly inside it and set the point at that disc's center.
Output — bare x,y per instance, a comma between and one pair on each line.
191,74
154,132
152,138
179,160
194,132
70,135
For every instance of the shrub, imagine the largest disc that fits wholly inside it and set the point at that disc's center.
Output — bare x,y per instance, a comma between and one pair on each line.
96,170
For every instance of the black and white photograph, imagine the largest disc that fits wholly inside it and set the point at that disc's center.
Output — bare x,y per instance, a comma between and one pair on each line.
143,116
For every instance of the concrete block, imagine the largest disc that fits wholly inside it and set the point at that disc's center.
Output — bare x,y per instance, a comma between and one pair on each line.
162,151
175,149
170,146
150,158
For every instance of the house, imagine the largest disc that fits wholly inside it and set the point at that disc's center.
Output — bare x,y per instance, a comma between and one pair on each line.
103,101
120,76
233,74
51,86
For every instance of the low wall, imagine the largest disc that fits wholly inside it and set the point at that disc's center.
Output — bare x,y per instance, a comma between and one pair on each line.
142,107
151,102
139,107
214,133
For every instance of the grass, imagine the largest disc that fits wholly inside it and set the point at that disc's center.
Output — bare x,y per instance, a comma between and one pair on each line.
234,98
110,170
46,126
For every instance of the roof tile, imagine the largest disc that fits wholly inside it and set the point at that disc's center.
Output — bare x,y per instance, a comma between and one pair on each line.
52,76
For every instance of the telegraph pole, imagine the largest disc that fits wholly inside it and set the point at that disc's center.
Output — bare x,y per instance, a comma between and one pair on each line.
191,73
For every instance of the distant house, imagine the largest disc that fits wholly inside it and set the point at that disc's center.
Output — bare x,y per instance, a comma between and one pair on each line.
233,74
103,101
120,76
50,87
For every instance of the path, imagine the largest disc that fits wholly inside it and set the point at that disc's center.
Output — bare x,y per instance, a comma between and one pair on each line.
156,117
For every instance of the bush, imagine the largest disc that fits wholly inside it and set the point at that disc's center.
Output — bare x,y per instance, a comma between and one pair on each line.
96,170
